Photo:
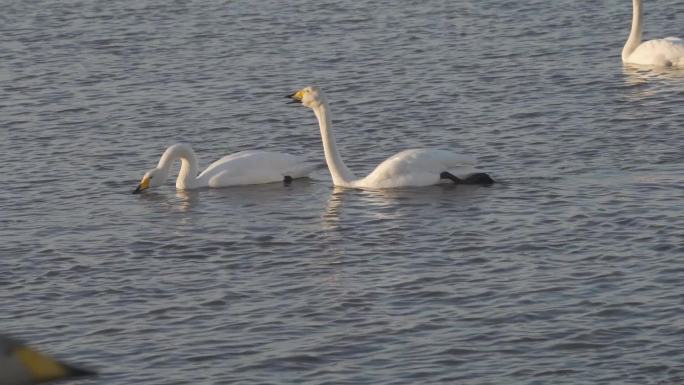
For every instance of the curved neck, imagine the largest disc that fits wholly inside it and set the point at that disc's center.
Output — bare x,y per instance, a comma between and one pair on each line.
187,176
637,27
341,175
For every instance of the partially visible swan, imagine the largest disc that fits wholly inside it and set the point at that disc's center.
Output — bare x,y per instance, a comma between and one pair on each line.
416,167
23,365
242,168
668,52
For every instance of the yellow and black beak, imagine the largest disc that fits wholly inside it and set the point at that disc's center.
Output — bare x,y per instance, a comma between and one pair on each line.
41,368
144,185
296,97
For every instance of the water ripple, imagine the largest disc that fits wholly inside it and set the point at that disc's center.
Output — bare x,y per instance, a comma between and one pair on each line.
565,272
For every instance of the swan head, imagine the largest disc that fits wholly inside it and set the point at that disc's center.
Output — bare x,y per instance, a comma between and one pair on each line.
152,178
310,96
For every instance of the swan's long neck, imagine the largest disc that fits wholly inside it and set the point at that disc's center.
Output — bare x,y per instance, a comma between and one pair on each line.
341,175
637,28
187,176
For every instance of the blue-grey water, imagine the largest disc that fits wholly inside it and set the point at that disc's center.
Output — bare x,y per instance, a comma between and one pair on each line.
568,271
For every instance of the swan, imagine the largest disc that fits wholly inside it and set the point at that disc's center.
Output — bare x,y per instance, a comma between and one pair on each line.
23,365
668,52
409,168
242,168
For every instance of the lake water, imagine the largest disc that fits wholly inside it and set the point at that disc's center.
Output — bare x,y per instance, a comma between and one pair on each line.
568,271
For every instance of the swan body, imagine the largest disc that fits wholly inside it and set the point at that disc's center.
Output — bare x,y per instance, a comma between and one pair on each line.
241,168
409,168
417,167
667,52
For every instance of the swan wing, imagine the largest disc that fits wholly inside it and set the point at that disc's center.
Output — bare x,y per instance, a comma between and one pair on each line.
418,167
254,167
668,52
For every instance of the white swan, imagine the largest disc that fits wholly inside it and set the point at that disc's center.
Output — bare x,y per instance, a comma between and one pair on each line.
242,168
415,167
668,52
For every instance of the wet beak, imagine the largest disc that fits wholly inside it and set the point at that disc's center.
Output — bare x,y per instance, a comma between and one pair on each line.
296,97
145,184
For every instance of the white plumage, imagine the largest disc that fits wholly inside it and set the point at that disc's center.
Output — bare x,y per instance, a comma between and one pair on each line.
668,52
242,168
417,167
409,168
253,167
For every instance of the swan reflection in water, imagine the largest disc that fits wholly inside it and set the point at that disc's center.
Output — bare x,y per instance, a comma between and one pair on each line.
393,204
637,74
234,198
645,81
185,200
182,201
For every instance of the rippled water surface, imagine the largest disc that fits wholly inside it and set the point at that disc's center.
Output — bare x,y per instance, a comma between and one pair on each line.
568,271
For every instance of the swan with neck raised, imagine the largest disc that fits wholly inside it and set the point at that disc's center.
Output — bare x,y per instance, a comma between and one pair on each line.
667,52
409,168
241,168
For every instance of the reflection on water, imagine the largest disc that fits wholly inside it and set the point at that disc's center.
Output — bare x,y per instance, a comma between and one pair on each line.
333,207
180,200
187,199
397,204
651,79
640,74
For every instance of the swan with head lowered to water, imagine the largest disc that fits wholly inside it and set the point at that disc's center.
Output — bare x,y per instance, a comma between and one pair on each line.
409,168
668,52
242,168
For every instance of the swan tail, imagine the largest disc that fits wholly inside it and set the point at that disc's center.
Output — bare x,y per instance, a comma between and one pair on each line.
480,178
477,178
